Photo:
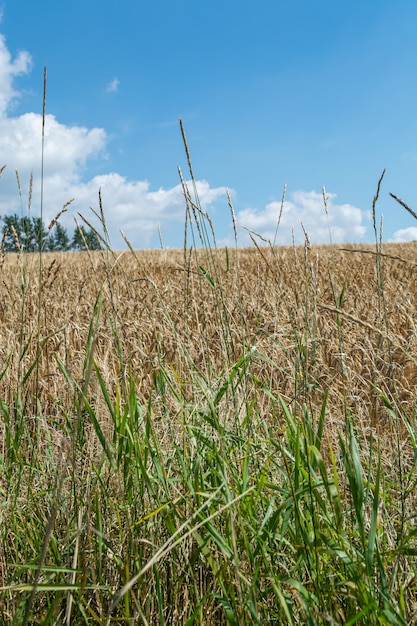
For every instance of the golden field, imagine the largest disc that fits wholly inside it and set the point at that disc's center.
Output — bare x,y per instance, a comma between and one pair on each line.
233,341
322,315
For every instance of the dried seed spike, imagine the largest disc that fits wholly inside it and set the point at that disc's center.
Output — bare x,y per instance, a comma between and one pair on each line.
19,187
16,240
325,200
100,204
127,241
375,200
403,204
253,232
3,247
307,237
281,210
185,190
180,174
187,151
45,75
30,191
58,215
284,195
232,211
101,216
68,202
160,237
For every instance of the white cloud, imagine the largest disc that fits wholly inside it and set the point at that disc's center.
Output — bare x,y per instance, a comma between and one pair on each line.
345,222
113,85
131,206
66,147
9,69
404,234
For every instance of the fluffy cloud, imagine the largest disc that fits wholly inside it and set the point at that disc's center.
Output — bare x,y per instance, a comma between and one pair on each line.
404,234
66,147
9,69
113,86
131,206
341,223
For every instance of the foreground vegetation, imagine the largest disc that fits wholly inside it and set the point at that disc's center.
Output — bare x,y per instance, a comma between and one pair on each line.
209,436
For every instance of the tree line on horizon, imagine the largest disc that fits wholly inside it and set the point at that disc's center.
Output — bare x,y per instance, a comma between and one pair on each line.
30,235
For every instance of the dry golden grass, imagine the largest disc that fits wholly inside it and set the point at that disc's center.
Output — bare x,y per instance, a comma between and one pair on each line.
318,314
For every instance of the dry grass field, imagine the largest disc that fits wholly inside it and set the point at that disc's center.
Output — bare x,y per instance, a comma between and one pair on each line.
209,437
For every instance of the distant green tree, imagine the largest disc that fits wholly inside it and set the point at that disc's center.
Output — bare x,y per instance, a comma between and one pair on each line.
38,235
84,239
58,240
29,234
23,233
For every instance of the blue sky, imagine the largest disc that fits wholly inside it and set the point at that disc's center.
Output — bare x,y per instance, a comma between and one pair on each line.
309,93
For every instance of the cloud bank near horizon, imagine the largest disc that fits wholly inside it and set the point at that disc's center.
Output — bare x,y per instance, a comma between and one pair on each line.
133,206
303,215
404,235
